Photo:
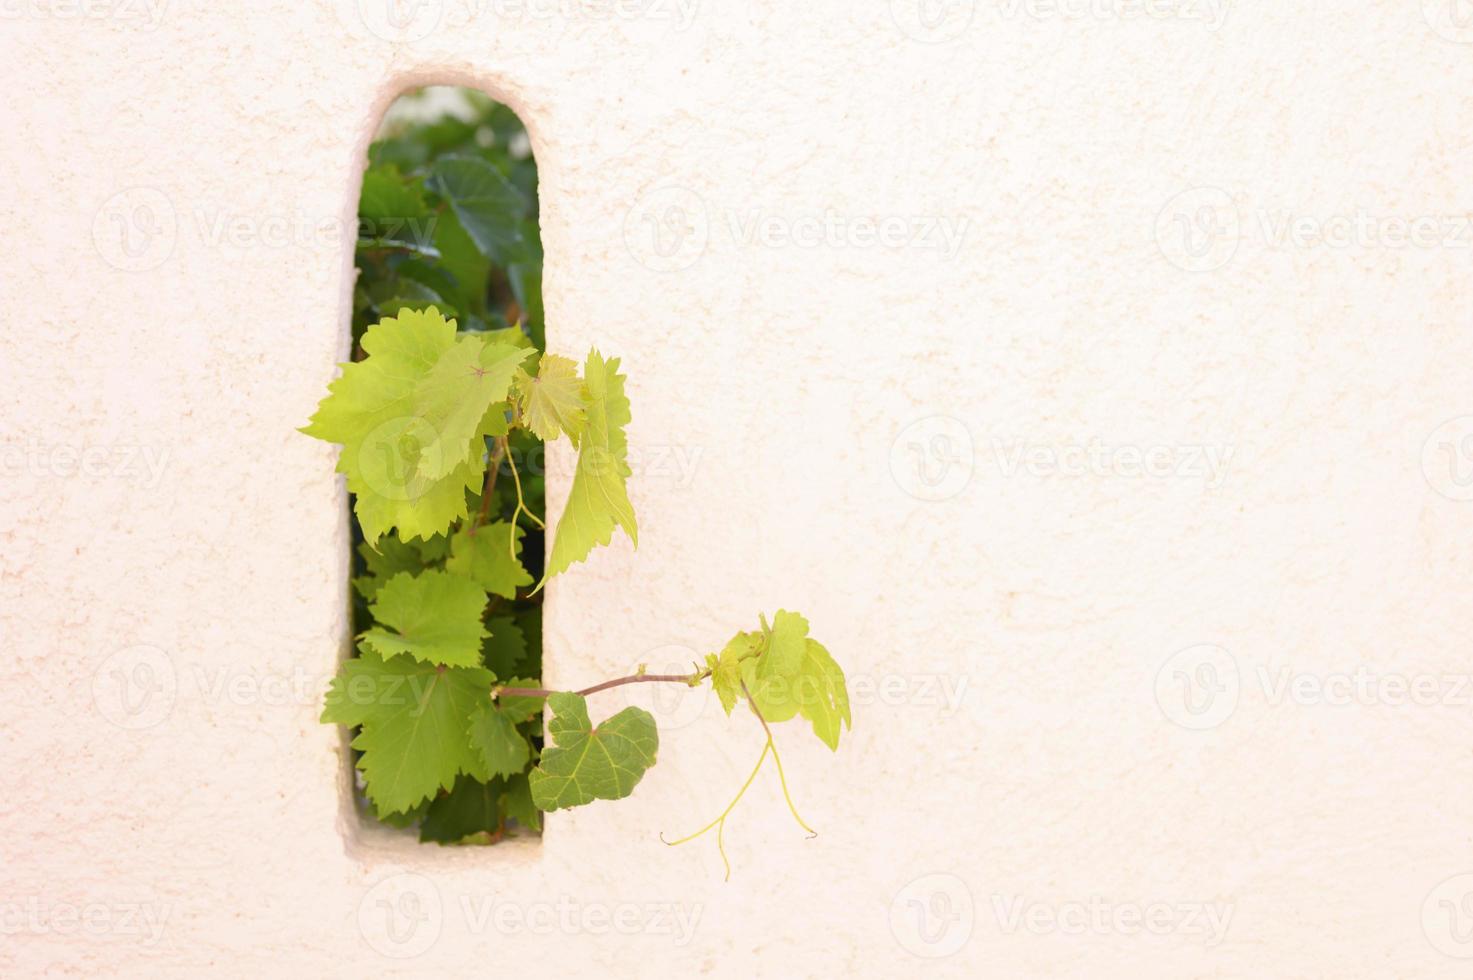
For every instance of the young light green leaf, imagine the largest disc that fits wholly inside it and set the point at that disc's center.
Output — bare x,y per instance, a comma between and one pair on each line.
795,675
370,411
784,653
452,400
726,670
513,335
494,734
418,507
587,763
434,617
413,717
772,677
485,555
728,691
496,422
553,400
824,698
598,500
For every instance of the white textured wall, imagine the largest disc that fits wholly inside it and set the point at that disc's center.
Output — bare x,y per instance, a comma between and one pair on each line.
905,437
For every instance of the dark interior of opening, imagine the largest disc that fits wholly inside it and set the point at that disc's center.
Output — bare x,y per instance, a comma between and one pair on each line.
448,220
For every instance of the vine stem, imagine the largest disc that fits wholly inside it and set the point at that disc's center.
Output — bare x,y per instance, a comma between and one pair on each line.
490,488
522,507
720,822
781,777
689,680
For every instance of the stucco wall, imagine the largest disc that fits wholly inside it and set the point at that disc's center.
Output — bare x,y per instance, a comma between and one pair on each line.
1139,517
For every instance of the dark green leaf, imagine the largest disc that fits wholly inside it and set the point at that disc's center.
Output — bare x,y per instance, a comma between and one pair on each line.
472,807
488,206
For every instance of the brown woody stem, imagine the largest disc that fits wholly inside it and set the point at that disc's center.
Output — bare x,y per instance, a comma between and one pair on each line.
489,489
542,692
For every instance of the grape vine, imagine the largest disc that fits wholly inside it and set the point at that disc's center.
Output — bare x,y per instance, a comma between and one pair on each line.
449,398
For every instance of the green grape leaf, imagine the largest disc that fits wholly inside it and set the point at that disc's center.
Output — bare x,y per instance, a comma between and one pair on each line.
391,557
463,260
518,707
496,422
471,807
370,412
433,275
712,663
514,335
406,818
726,670
796,675
518,802
529,621
503,749
825,698
417,507
413,717
784,653
407,244
485,556
488,206
526,284
433,549
598,499
587,763
772,677
388,195
553,399
393,213
505,648
454,398
415,296
434,617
